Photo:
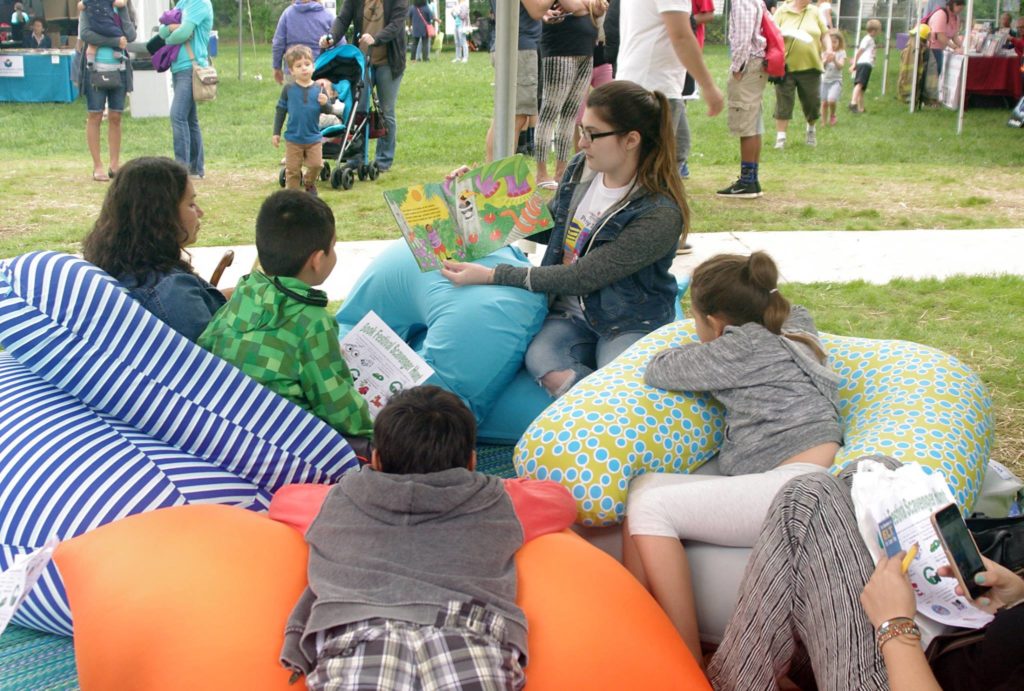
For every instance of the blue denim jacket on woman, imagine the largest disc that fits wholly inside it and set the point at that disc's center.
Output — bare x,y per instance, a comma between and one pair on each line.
644,299
180,299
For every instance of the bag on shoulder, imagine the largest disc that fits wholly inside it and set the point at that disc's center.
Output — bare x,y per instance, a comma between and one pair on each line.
431,29
204,79
775,48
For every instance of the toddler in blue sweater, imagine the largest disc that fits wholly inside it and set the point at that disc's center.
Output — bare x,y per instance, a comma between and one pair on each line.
301,102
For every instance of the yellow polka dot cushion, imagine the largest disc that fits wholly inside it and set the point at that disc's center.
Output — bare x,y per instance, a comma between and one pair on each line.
901,399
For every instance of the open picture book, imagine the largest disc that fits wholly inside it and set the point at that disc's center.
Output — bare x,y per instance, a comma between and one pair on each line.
468,218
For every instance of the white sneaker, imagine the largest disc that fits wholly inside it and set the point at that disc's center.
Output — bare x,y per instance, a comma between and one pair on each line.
812,137
780,142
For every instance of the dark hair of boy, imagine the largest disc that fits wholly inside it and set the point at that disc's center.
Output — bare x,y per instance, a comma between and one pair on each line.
424,429
291,226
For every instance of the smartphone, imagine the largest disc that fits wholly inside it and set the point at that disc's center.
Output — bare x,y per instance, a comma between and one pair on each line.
960,549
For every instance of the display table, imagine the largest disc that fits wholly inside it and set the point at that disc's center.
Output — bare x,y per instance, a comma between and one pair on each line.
34,77
995,76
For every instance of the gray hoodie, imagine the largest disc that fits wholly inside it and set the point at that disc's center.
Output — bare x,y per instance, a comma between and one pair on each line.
779,400
401,547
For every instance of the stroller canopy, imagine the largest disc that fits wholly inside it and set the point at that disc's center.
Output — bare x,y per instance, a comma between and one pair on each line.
345,63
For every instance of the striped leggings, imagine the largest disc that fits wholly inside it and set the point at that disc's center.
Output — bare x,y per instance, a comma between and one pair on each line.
799,610
566,78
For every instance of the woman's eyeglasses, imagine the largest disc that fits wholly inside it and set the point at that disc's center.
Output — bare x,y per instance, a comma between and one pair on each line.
588,136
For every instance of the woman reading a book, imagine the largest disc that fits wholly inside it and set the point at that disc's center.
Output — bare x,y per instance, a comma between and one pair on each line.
619,213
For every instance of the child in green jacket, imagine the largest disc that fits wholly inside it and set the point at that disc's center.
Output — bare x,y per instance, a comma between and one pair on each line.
276,327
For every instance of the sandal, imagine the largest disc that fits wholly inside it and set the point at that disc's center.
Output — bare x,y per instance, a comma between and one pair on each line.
111,173
548,185
100,176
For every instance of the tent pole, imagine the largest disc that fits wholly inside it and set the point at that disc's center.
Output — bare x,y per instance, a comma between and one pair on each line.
239,40
888,37
917,55
506,53
963,72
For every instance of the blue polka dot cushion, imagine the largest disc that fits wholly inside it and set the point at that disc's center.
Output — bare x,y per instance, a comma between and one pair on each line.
474,337
106,412
902,399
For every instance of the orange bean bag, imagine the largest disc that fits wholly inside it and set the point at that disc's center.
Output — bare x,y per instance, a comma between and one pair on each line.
197,597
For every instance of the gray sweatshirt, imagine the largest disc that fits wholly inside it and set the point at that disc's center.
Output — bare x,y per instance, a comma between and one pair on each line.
778,399
401,547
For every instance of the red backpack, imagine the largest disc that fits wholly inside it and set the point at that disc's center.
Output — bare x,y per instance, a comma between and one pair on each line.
775,50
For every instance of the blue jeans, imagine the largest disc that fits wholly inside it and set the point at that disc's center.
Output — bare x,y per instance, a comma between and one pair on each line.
188,140
566,343
387,95
461,47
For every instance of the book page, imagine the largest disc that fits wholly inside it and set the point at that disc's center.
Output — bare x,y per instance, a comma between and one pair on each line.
381,363
482,211
19,578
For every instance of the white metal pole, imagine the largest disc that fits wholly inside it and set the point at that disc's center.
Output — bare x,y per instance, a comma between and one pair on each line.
506,51
240,34
888,38
917,55
836,13
963,74
856,41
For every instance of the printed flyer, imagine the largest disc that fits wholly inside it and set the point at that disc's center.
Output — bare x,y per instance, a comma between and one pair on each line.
381,363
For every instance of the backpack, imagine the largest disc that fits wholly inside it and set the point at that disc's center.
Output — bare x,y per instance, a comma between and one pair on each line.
775,47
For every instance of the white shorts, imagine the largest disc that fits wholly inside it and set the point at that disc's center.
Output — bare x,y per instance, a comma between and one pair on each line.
718,509
830,91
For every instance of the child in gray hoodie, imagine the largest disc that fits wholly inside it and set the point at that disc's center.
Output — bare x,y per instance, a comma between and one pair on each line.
764,364
415,554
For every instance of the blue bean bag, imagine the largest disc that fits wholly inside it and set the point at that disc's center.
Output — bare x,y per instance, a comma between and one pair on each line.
473,337
106,412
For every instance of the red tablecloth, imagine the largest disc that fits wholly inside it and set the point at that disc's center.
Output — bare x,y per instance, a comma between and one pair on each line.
996,76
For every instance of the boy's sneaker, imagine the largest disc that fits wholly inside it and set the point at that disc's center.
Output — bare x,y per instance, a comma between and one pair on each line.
780,142
812,138
742,190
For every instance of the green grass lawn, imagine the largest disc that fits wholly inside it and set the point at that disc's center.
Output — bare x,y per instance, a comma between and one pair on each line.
884,170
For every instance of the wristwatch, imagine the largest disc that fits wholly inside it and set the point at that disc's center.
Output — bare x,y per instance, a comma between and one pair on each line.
897,626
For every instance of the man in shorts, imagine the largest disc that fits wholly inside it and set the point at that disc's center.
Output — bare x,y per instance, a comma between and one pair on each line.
747,81
530,13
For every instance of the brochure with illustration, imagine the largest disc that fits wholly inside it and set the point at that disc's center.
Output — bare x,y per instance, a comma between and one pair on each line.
381,363
894,509
470,217
19,578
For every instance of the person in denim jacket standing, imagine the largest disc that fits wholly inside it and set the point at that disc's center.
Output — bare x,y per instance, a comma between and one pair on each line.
194,31
619,213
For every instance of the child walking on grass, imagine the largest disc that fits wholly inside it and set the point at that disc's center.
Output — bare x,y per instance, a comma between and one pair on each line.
832,79
863,62
412,574
302,102
762,360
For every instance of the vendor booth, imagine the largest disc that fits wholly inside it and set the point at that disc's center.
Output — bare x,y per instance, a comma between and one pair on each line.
36,77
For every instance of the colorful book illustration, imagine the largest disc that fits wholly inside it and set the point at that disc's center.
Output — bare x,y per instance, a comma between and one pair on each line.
468,218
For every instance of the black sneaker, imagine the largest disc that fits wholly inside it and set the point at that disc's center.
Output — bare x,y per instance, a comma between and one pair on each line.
742,190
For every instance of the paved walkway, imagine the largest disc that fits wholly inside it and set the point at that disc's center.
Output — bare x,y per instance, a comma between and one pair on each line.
803,257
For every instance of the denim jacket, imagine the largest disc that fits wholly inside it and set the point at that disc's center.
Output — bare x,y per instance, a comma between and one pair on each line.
180,299
644,299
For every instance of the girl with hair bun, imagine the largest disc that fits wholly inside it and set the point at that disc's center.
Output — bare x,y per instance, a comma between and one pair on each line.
762,360
619,213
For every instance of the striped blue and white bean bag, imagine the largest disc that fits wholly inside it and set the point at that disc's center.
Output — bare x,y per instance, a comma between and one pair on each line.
107,412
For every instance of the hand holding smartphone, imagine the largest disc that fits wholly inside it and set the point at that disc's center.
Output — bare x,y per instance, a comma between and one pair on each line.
960,548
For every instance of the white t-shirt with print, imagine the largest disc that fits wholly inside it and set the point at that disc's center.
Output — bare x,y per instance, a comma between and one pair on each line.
867,50
598,199
645,51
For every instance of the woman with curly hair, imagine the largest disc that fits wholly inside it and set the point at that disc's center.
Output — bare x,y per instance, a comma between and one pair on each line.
148,218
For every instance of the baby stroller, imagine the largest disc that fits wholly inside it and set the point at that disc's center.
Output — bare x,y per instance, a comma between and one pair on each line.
349,143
